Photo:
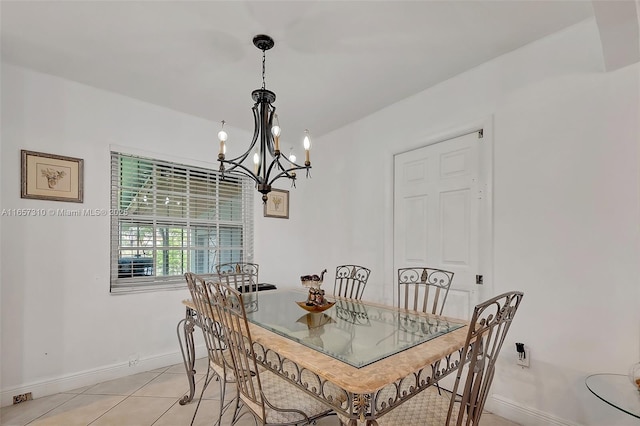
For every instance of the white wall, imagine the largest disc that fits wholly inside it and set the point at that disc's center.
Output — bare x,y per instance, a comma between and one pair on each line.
60,326
566,213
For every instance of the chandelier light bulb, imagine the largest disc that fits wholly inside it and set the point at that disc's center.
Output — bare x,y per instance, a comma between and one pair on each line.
275,131
222,137
292,157
307,147
256,162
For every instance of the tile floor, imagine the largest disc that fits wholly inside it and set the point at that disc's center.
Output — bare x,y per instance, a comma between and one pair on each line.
143,399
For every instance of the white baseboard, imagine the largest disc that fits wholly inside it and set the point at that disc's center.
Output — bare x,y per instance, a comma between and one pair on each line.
523,415
92,377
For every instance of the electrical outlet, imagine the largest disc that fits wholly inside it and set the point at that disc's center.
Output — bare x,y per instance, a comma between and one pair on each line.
17,399
133,360
523,355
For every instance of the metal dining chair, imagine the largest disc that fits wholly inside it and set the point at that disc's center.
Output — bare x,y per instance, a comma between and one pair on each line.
244,268
351,281
245,283
423,289
263,393
220,365
239,268
487,330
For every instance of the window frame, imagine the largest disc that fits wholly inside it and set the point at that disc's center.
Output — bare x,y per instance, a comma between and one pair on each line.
229,208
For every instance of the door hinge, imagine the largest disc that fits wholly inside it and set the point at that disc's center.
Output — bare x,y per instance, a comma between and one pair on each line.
479,279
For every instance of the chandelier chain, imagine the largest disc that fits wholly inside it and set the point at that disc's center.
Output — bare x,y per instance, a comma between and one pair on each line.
263,68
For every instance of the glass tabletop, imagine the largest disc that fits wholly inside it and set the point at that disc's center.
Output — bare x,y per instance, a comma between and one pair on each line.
351,331
617,391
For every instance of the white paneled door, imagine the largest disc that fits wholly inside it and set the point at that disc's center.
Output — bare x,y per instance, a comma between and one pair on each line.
437,203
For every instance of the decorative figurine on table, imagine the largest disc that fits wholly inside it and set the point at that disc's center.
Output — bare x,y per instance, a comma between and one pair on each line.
316,301
313,283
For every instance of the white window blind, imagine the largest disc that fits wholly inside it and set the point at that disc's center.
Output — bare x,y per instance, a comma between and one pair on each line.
173,219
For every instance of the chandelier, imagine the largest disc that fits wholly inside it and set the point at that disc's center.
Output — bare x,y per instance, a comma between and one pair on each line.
269,164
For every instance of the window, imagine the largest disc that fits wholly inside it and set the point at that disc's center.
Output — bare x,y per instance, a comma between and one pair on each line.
173,219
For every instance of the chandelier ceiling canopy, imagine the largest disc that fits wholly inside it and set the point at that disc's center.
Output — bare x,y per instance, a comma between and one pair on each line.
269,164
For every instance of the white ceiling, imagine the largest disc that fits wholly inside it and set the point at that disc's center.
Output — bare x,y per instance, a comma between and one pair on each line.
333,63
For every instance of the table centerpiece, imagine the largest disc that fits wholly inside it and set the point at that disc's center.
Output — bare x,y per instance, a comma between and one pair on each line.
316,302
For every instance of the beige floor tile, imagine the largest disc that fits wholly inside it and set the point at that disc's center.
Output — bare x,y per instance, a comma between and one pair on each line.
79,390
182,414
25,412
213,390
177,369
200,367
159,370
165,385
136,411
79,411
122,386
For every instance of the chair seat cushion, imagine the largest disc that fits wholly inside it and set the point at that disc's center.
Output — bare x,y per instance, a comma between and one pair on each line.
220,370
428,408
281,393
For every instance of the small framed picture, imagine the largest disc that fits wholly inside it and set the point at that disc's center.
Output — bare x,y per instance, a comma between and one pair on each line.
277,204
51,177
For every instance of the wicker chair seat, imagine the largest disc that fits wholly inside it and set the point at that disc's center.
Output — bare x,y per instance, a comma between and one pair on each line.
220,370
280,393
428,408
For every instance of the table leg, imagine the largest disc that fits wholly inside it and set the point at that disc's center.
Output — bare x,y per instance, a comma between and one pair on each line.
187,347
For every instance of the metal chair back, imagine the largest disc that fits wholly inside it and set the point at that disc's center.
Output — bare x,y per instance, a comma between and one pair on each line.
423,289
219,366
237,268
231,312
487,330
351,281
246,284
201,296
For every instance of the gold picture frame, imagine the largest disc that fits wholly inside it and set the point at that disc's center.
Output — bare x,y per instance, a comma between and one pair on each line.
277,204
51,177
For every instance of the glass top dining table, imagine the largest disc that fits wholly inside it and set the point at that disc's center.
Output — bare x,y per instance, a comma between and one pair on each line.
351,331
373,357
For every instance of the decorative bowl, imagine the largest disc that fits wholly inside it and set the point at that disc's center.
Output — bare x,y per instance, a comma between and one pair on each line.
315,308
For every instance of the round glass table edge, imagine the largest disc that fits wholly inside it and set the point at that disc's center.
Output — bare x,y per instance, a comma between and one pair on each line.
617,406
